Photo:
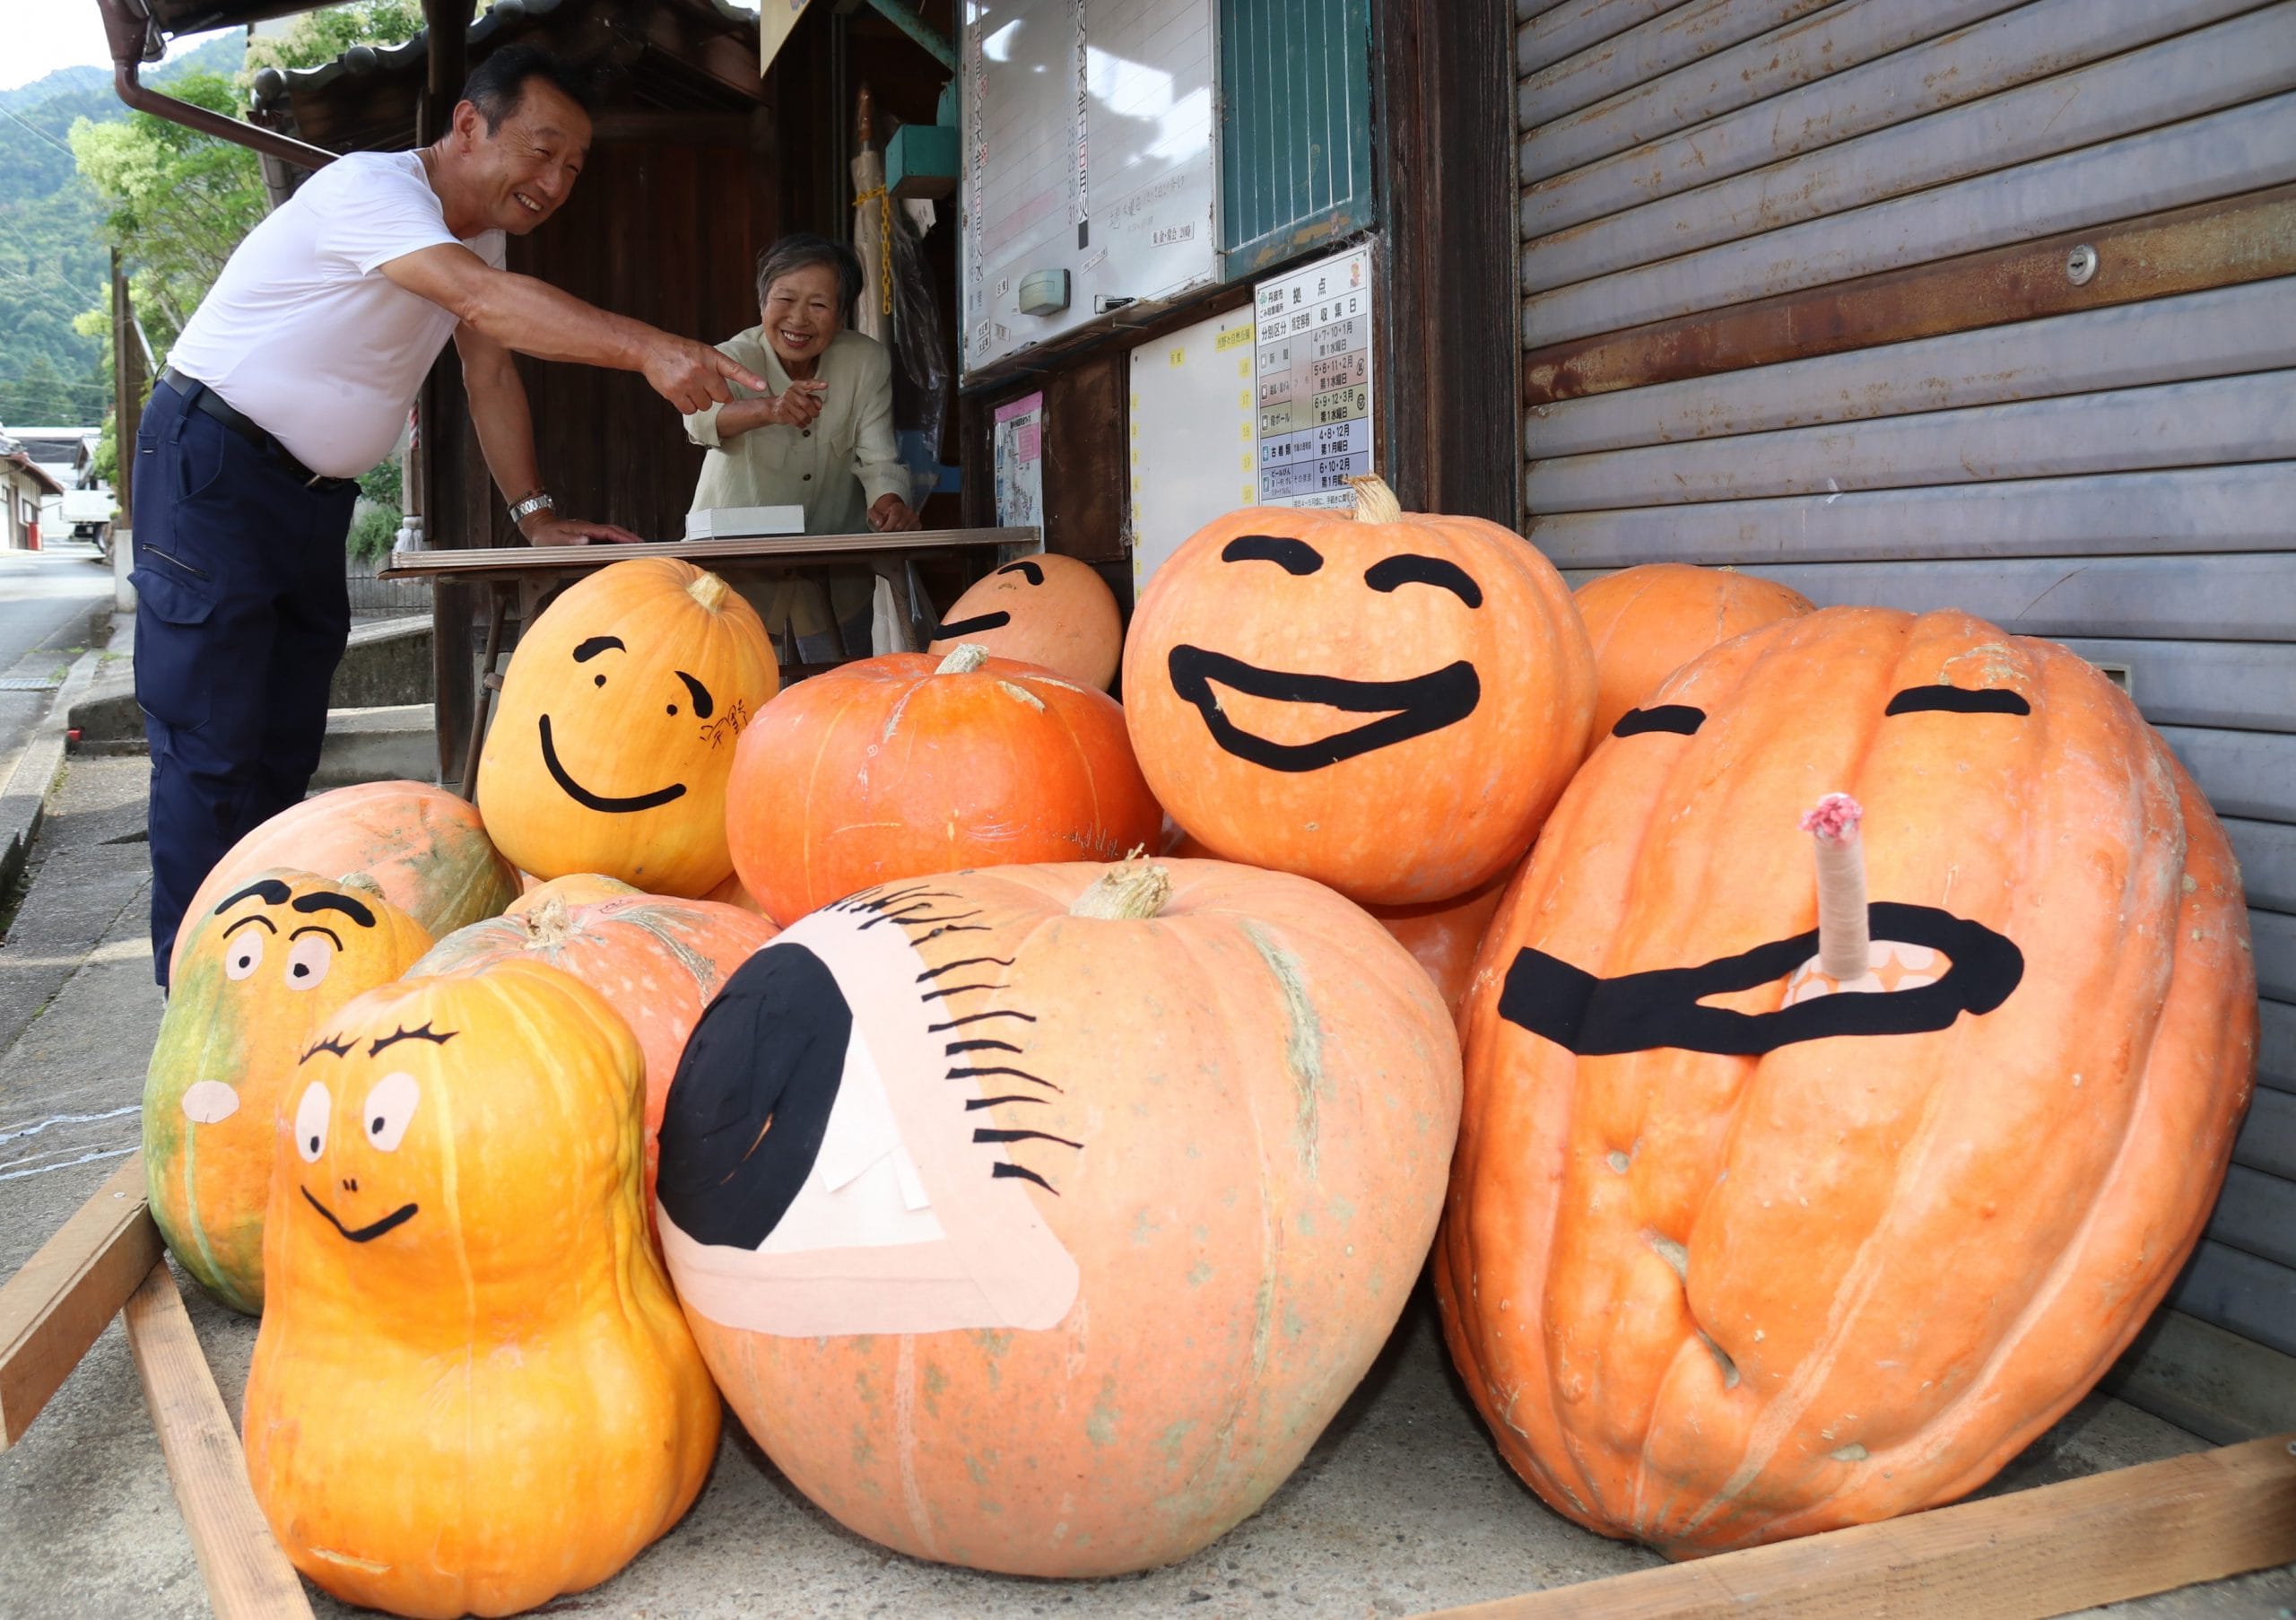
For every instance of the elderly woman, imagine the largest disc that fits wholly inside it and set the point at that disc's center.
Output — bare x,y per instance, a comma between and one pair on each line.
824,437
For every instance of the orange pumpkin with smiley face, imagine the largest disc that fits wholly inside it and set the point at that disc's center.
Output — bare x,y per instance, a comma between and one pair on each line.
473,1389
1726,1262
614,737
258,970
1389,703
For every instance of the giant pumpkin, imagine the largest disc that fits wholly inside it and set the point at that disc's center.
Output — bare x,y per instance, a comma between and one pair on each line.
471,1390
1047,610
616,733
1388,703
426,850
1726,1260
654,959
260,970
1645,622
1038,1218
900,765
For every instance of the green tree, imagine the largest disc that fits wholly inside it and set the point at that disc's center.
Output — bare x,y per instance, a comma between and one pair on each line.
321,35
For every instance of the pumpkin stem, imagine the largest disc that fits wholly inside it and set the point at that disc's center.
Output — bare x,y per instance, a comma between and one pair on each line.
361,883
1845,947
1125,893
963,659
707,589
548,923
1375,502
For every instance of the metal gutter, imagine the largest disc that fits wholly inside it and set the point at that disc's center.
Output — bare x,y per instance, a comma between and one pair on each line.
134,38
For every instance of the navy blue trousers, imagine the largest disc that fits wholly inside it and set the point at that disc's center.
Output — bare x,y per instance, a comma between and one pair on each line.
241,613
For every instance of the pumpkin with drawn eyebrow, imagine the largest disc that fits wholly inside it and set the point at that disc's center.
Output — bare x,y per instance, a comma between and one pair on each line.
1849,1073
903,764
611,748
471,1390
1086,1195
1387,703
1047,610
260,969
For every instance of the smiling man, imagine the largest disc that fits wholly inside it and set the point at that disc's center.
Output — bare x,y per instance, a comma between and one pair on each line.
293,377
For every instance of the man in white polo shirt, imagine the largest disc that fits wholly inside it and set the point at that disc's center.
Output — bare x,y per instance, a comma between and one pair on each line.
294,377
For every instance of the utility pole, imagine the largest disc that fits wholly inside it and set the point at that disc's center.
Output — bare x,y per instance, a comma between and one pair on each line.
128,386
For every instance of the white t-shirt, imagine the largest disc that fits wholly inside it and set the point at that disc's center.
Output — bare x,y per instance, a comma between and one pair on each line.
302,332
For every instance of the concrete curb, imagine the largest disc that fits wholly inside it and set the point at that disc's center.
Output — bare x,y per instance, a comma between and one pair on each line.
25,798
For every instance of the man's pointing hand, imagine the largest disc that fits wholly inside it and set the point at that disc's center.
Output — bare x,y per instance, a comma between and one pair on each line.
690,375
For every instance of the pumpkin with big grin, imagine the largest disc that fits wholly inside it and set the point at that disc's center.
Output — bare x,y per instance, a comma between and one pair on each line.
1739,1248
473,1389
614,738
1389,703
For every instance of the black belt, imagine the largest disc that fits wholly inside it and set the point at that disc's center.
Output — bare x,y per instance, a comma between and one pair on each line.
200,396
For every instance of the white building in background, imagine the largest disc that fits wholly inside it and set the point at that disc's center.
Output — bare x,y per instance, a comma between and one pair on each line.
25,487
81,503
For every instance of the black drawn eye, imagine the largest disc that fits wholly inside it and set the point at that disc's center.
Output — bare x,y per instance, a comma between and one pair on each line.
309,957
245,954
390,1109
1957,699
1409,567
1295,557
1680,719
310,1121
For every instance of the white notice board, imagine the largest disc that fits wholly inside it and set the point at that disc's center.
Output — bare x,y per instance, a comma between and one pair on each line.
1314,381
1194,453
1087,132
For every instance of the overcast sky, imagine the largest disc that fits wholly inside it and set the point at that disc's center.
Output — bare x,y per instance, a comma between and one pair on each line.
44,35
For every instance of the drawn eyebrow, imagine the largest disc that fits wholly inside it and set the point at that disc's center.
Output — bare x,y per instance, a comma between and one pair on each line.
356,913
596,645
1957,699
425,1033
1295,557
314,927
270,890
1035,573
251,917
1410,568
1680,719
699,693
326,1043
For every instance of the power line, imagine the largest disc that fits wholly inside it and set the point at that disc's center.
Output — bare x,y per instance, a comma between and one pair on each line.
42,134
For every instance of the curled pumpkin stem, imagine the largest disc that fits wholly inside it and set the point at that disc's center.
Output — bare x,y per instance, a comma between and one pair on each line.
963,659
1125,893
1845,947
1375,502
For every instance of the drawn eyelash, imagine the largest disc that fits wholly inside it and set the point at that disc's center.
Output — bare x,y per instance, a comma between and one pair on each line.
326,1043
969,961
989,1134
1004,1169
979,1102
954,1047
1002,1012
1017,1074
425,1033
955,990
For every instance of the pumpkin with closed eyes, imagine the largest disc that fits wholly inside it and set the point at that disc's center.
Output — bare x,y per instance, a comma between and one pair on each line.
611,748
260,969
1038,1218
1739,1248
1387,703
473,1389
1047,610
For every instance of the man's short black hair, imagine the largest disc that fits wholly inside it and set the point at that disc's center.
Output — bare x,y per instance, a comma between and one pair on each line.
497,85
800,248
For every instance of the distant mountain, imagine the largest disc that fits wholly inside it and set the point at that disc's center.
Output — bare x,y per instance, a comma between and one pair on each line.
53,263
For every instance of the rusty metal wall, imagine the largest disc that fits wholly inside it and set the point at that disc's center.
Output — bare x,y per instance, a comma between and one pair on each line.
1804,292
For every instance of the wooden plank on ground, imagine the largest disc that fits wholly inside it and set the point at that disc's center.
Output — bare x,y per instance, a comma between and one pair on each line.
2022,1556
52,1309
247,1577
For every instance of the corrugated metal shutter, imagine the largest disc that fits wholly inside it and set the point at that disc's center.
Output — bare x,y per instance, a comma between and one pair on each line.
1295,127
1798,296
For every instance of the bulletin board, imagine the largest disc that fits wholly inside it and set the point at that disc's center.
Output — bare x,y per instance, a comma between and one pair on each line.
1193,448
1087,129
1313,372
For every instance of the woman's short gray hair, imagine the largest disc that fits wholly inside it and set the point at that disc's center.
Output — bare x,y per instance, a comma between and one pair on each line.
802,248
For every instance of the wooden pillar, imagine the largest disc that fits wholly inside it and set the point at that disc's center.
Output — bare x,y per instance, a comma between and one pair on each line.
454,607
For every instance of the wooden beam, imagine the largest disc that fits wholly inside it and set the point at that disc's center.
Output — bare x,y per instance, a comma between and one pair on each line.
65,1295
2022,1556
247,1577
2217,244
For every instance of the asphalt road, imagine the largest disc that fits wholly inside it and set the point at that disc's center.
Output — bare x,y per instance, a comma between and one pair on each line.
48,599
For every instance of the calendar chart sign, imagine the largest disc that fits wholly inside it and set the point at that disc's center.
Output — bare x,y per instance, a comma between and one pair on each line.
1313,382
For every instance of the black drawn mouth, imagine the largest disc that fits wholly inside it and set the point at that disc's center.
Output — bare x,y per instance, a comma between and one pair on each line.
1594,1017
598,801
365,1234
1407,709
973,627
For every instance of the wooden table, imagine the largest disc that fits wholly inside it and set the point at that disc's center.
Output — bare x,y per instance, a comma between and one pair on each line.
527,573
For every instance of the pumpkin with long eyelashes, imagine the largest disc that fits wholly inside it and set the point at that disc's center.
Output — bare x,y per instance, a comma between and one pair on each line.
1645,622
473,1389
1047,610
424,849
264,966
894,766
657,959
1726,1260
1038,1218
1389,703
621,709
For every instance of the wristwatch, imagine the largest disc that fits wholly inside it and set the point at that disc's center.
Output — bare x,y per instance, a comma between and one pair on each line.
539,501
